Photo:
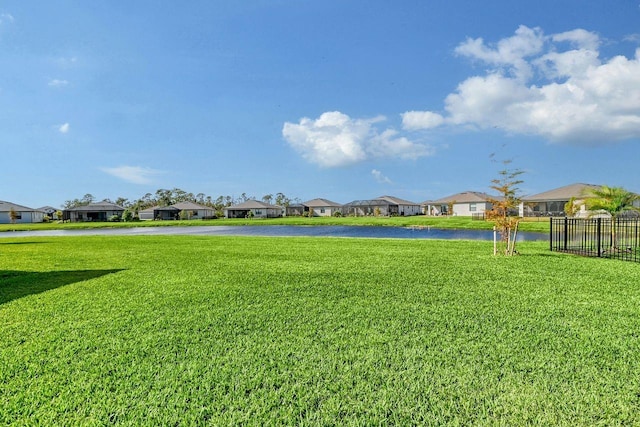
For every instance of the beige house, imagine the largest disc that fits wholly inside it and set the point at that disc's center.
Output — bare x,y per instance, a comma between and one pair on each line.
322,207
194,211
383,205
467,203
253,208
552,202
402,207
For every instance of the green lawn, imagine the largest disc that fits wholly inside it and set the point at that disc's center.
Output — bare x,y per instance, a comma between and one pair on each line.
531,224
196,330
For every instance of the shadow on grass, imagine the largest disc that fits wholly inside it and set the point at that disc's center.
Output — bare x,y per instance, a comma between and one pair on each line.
18,284
22,243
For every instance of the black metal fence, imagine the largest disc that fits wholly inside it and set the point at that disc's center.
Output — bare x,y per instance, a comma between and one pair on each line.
597,237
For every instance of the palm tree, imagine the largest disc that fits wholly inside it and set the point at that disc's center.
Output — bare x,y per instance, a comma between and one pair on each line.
614,201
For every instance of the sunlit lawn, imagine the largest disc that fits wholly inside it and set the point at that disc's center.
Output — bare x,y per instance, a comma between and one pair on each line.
184,330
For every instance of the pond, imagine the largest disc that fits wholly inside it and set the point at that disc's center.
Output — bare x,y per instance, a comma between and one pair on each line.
286,231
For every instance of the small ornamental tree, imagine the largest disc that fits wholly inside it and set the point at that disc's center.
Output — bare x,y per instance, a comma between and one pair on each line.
614,201
503,208
13,216
450,207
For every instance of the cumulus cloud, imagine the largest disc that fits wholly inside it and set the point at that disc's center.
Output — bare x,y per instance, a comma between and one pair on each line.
554,86
58,83
335,139
133,174
379,177
64,128
413,120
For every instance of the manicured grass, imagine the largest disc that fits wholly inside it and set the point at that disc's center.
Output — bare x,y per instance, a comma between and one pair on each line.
533,224
194,330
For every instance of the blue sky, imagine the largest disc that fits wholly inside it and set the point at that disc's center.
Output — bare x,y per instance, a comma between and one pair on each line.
337,99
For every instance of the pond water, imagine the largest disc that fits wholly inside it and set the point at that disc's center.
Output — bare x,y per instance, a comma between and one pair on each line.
286,231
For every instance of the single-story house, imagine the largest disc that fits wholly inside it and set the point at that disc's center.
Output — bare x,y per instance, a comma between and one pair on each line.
101,211
402,207
194,211
366,207
159,212
466,203
23,214
254,208
188,210
297,209
50,211
321,207
383,205
552,202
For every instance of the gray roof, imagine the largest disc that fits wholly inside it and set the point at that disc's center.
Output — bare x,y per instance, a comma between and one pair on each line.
562,193
463,197
7,206
190,206
100,206
318,203
253,204
397,201
371,202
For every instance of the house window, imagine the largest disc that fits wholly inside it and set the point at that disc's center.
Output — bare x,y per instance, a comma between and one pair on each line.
194,213
321,210
258,212
472,207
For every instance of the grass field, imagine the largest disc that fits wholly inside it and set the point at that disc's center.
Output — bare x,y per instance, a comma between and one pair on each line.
529,224
184,330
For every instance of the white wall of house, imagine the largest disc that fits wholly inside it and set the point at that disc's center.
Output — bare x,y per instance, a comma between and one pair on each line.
409,210
324,210
470,209
23,217
266,212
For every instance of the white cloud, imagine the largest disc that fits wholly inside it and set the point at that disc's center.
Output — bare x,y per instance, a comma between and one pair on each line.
509,53
58,83
63,128
335,139
379,177
133,174
413,120
537,88
634,38
580,38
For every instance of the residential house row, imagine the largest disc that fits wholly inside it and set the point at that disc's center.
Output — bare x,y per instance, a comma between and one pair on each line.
467,203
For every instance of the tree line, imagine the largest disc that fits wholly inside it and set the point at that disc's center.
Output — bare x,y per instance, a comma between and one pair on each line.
163,197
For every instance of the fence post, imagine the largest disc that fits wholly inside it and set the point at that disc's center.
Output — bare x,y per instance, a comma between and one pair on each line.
566,231
551,234
599,236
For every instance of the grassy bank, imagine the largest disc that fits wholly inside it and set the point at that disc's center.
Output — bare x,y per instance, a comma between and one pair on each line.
539,225
183,330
